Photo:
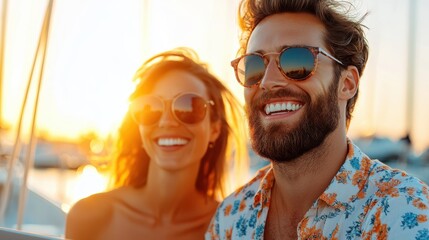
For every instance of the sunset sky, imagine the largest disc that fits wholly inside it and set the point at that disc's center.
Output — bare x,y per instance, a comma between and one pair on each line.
95,46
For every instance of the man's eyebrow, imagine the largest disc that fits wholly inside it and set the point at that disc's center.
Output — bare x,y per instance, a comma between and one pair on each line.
278,49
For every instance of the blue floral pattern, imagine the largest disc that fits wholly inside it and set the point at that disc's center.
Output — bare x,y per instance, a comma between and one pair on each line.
365,200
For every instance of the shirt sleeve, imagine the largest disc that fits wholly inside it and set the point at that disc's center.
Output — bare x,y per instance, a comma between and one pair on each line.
399,213
212,232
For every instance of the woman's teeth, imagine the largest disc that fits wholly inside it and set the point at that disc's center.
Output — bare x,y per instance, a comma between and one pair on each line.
172,141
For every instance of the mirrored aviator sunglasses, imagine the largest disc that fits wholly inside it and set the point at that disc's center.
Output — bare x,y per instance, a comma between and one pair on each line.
187,108
295,63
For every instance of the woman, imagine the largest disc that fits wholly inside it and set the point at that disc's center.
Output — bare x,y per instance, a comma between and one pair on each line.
174,149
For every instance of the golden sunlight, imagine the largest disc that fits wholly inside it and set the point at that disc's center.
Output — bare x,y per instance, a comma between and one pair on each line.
95,47
88,181
94,50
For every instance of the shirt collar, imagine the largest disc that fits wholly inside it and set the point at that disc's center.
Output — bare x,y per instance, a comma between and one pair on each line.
262,196
348,184
351,180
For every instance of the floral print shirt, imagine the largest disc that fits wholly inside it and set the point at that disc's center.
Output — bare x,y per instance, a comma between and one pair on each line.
365,200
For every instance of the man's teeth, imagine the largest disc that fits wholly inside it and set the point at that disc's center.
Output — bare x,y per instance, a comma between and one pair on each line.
278,107
172,141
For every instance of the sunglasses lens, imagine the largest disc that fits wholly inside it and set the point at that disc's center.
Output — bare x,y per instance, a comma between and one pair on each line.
190,108
297,62
147,110
250,69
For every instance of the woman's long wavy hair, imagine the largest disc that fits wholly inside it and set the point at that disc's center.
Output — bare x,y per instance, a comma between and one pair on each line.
227,158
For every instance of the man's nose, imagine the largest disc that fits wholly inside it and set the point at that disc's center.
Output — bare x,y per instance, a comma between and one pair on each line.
273,78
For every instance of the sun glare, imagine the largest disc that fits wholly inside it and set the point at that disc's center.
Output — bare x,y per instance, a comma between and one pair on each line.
88,181
93,51
96,46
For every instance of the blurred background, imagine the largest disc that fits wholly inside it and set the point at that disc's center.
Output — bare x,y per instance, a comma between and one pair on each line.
94,47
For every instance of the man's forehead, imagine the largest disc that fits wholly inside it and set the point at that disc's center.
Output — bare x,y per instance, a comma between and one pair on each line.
286,29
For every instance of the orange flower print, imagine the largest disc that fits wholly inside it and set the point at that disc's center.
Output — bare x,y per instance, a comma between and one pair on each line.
383,232
334,235
242,205
421,218
312,233
228,210
419,204
388,188
228,233
369,207
366,200
359,180
366,164
329,198
257,199
304,223
265,200
425,192
342,177
379,230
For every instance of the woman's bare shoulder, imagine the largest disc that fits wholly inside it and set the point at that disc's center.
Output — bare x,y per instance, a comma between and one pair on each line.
89,215
92,206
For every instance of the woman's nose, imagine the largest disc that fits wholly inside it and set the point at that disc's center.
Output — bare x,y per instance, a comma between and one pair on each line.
168,119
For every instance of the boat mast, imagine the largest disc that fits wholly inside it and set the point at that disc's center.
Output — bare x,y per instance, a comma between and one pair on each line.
2,47
29,158
38,61
410,81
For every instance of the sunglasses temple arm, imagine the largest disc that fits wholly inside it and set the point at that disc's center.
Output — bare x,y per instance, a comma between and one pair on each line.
330,56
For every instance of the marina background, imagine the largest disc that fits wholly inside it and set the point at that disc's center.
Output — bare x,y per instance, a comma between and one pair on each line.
94,48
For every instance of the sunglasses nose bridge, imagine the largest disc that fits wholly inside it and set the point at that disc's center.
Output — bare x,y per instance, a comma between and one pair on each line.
167,117
271,57
273,77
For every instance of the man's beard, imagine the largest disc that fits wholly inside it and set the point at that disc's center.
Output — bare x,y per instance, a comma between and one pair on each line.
281,143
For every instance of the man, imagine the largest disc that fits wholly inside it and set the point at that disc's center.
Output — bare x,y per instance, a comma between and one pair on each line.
301,75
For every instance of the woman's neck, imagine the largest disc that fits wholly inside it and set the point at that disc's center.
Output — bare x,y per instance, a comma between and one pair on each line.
171,195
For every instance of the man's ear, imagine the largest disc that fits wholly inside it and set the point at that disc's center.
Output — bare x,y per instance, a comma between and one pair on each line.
349,83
